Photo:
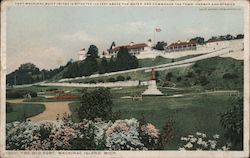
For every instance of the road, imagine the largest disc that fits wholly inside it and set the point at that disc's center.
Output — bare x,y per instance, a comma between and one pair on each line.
52,109
163,66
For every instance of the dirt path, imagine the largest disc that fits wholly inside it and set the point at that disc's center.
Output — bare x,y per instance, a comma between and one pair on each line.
52,109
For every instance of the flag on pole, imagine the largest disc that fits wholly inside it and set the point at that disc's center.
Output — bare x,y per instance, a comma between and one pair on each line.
157,29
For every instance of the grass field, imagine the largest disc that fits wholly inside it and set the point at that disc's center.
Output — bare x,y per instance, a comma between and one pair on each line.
191,113
22,111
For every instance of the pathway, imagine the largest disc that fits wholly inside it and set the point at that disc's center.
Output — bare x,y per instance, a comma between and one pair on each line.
52,109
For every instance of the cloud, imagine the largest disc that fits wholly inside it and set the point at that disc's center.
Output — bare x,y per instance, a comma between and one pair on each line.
43,58
137,25
77,36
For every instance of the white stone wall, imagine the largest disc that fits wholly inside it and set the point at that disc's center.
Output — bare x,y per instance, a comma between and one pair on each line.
107,84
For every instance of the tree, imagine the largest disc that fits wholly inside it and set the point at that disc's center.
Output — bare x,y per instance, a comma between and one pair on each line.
103,68
232,121
90,66
120,78
112,45
125,60
229,37
239,36
199,40
92,51
111,65
169,76
133,62
123,57
160,45
96,104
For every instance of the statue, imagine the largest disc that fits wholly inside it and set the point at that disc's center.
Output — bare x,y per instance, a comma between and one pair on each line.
153,76
152,87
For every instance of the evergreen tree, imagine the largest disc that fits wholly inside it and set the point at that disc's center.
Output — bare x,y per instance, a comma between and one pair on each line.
92,51
199,40
91,66
125,60
113,44
103,68
133,63
160,45
111,65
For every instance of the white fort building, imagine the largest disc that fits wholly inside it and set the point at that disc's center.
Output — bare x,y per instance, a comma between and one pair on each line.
176,49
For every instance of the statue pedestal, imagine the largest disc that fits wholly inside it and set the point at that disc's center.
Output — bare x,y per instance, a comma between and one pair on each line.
152,89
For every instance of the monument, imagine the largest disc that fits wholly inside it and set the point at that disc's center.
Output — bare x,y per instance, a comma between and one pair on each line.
152,87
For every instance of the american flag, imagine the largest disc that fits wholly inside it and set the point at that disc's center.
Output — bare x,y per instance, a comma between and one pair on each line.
158,29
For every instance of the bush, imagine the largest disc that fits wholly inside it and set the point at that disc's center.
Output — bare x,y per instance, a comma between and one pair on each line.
63,134
128,78
203,80
178,79
230,76
111,79
96,104
201,141
92,81
190,74
168,84
232,121
169,76
9,107
120,78
15,94
51,89
101,80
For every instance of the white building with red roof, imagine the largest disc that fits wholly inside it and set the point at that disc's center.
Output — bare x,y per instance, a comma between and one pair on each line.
182,46
133,48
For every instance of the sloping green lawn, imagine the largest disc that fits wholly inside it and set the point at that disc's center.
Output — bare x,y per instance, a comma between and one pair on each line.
22,111
192,113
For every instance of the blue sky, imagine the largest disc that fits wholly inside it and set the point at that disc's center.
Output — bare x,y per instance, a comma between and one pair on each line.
50,36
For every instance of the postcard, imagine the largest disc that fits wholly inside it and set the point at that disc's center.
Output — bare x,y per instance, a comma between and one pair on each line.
124,79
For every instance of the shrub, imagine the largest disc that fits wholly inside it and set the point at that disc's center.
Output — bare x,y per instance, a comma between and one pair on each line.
167,132
92,81
101,80
120,78
168,84
169,76
203,80
63,134
51,89
95,104
123,135
230,76
15,94
9,107
128,78
178,79
232,121
190,74
200,141
111,79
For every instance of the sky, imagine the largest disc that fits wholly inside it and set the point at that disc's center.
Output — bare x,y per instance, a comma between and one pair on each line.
51,36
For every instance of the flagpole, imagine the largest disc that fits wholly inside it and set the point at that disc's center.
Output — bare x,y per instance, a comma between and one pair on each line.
154,37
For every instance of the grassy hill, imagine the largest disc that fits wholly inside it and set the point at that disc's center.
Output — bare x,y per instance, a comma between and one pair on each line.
213,73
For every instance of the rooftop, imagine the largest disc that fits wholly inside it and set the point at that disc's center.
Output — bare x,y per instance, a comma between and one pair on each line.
130,46
176,44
